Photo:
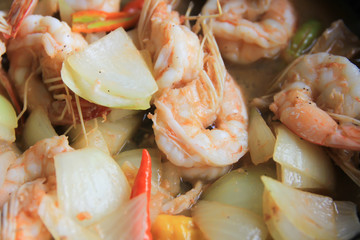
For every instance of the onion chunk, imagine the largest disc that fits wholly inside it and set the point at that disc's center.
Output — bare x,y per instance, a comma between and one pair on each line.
110,72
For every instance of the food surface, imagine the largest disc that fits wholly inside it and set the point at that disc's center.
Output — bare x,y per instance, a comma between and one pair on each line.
156,119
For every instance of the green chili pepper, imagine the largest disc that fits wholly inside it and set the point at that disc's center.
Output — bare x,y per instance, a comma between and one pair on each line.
303,39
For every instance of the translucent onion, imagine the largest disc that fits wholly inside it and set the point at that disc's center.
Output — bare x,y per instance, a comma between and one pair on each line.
171,178
134,157
241,188
116,131
110,72
8,120
261,138
347,221
60,225
65,11
221,221
305,158
297,179
90,184
37,127
127,222
290,213
94,138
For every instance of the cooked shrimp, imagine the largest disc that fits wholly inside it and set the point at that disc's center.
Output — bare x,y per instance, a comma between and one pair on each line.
20,219
250,30
41,46
320,101
190,103
175,49
181,122
36,162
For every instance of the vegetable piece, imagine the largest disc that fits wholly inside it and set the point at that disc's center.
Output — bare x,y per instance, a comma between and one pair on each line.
347,221
290,213
65,11
8,120
60,225
221,221
89,21
303,39
338,40
114,227
134,157
90,184
261,138
142,184
241,188
110,72
94,139
176,227
303,157
297,179
115,133
37,127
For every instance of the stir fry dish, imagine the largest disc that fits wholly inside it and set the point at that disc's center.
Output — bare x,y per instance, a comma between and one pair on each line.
156,119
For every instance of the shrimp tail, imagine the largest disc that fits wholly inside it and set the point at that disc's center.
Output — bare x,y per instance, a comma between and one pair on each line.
18,11
347,136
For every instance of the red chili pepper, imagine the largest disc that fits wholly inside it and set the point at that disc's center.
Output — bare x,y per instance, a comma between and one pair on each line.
90,21
142,184
134,6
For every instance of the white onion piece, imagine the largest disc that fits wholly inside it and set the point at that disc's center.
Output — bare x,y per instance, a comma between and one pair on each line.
90,184
37,127
8,120
60,225
306,158
241,188
290,213
347,221
94,138
115,133
294,178
110,72
134,157
261,138
126,222
221,221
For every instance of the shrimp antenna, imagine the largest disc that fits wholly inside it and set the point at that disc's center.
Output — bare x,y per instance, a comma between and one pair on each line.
81,119
207,16
344,118
38,70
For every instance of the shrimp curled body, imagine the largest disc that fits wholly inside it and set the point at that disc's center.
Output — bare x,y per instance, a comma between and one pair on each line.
36,162
320,101
200,121
248,31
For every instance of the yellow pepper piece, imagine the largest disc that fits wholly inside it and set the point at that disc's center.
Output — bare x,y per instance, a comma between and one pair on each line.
175,227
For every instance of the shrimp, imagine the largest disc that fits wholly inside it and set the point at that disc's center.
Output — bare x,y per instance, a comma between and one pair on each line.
20,219
250,30
188,107
181,122
320,101
36,56
36,162
175,48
